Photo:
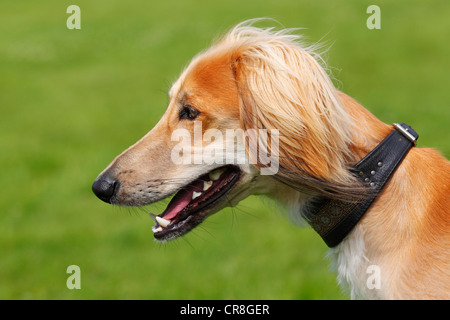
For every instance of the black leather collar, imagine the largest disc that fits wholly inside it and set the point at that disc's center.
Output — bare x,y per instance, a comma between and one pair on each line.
334,219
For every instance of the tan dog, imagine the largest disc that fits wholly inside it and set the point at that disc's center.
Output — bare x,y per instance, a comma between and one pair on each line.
261,79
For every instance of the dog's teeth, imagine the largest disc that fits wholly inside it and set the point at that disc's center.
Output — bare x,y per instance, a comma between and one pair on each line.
196,195
162,222
153,216
215,175
155,230
207,185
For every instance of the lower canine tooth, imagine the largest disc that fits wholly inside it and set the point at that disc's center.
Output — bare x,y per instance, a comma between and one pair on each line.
155,230
196,195
162,222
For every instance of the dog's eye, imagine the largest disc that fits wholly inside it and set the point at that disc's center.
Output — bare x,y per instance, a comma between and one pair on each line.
188,112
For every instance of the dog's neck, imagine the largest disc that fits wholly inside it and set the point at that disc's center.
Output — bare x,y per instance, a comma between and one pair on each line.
392,241
351,259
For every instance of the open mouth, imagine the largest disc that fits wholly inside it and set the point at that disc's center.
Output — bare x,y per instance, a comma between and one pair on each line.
193,203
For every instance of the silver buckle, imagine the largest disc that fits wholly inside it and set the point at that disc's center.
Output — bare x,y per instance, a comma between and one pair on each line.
405,132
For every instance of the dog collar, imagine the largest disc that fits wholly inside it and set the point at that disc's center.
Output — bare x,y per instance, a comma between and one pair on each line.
334,219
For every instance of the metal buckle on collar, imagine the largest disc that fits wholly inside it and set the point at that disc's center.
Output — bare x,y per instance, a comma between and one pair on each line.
405,132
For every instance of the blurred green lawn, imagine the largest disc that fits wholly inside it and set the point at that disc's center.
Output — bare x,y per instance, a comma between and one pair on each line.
71,100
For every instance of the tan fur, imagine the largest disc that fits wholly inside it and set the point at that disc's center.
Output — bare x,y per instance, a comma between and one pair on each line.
259,78
407,229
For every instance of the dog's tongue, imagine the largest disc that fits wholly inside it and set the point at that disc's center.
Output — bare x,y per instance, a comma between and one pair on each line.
178,203
181,200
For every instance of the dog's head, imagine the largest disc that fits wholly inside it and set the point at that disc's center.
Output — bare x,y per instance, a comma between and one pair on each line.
254,114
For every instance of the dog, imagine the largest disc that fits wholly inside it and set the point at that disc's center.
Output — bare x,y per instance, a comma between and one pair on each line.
267,80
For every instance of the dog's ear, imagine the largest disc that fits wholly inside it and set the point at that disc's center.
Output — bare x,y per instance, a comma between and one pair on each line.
284,88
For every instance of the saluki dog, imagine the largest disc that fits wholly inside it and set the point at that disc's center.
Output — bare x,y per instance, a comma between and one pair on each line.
267,82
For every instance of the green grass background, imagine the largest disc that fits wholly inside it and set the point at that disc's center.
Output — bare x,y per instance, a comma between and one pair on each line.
71,100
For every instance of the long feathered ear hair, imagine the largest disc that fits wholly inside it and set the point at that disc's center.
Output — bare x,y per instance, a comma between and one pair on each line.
283,87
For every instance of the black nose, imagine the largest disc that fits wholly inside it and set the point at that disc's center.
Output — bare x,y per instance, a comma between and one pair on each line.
105,187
